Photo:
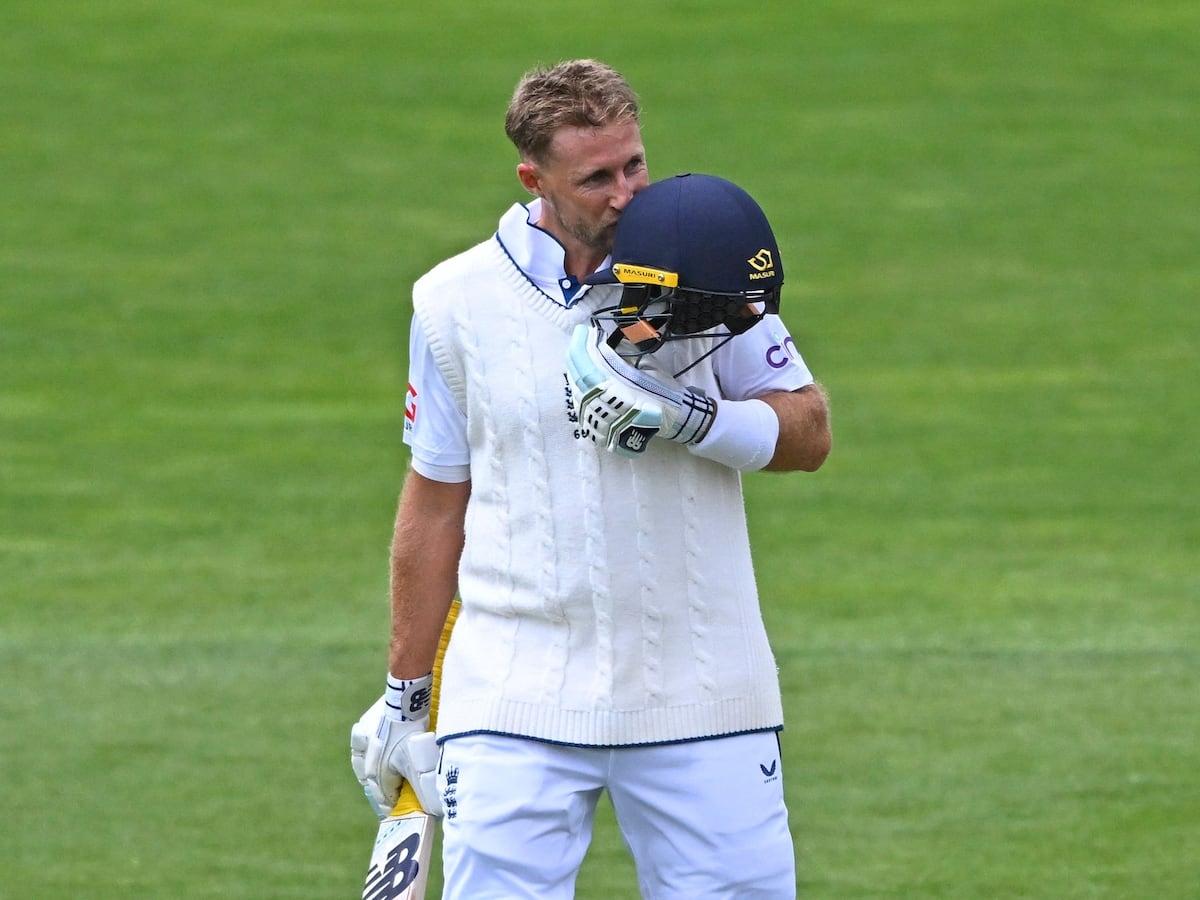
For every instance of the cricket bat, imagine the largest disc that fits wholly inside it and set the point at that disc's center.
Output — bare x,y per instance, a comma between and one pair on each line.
399,868
403,852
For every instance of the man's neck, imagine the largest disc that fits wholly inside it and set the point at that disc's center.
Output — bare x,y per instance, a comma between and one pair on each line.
579,260
579,264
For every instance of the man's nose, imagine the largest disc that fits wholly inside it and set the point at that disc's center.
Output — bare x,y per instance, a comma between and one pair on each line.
624,192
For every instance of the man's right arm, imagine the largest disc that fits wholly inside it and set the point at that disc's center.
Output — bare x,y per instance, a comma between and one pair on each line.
392,742
426,545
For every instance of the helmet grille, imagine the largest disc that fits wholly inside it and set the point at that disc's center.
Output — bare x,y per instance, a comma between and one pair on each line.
695,311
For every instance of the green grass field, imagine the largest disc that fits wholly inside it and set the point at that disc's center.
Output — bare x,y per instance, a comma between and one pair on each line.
985,606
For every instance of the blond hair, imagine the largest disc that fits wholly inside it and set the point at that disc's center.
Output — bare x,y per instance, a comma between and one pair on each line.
580,92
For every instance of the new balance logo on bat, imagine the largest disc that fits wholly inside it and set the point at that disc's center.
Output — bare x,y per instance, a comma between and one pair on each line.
399,870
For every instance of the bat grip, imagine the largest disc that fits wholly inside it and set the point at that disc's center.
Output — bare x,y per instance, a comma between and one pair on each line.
407,803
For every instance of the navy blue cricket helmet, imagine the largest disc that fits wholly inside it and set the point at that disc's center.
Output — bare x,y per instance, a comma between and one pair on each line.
692,252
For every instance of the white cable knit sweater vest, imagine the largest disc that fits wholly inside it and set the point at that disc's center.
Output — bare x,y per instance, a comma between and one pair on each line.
606,601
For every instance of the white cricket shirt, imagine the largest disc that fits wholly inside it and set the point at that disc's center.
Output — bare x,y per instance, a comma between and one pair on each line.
763,359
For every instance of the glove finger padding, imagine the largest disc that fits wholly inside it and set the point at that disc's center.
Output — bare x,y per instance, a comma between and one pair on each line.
606,407
385,751
359,739
625,406
418,757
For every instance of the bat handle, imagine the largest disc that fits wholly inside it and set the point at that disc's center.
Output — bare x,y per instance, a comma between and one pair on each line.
407,802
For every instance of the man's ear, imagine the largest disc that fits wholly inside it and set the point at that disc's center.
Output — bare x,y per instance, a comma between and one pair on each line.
529,177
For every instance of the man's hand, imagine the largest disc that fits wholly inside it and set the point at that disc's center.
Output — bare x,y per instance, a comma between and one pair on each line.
392,743
625,406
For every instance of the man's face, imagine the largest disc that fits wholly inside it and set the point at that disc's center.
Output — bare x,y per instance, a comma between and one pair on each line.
587,180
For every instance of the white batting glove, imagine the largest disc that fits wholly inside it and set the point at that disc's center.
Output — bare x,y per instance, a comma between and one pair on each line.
624,406
392,744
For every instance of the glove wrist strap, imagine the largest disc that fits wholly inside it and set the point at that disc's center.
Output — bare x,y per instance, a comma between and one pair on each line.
742,435
408,700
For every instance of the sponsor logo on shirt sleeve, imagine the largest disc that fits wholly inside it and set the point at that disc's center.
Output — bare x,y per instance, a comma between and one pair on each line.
782,352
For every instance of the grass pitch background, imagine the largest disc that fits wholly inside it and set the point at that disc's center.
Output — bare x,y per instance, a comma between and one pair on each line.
984,606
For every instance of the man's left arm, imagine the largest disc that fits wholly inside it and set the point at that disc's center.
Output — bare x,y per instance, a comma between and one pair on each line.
805,436
770,427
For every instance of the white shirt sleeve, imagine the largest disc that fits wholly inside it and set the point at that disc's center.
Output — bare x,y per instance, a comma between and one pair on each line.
434,427
762,359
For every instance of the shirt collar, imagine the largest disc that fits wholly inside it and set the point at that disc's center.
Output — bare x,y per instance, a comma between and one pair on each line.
538,254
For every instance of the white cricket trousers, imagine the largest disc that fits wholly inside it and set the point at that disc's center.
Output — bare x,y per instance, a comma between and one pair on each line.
702,819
